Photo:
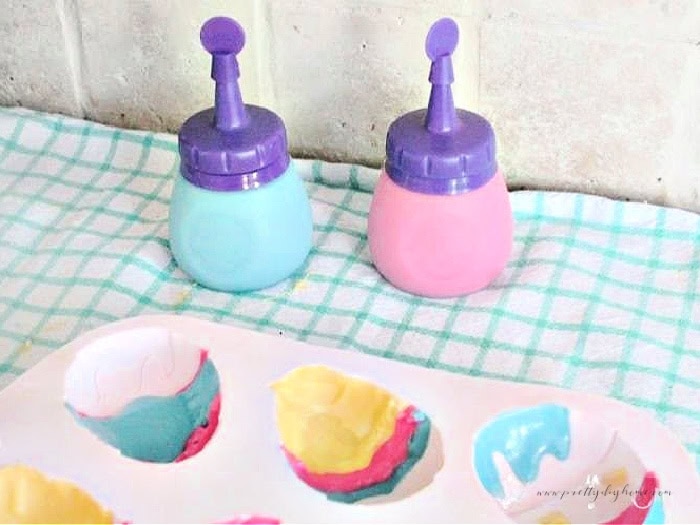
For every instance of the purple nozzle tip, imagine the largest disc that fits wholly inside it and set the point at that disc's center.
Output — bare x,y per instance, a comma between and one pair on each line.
224,38
440,43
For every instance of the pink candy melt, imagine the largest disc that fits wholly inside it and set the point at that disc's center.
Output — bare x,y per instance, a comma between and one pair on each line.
253,520
201,436
638,513
385,460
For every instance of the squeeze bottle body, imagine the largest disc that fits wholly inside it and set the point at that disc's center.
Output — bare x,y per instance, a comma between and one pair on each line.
240,218
440,222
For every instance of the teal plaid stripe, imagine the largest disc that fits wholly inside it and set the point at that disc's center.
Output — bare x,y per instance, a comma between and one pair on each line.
600,296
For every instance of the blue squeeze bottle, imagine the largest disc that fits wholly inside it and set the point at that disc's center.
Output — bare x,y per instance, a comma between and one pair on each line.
240,218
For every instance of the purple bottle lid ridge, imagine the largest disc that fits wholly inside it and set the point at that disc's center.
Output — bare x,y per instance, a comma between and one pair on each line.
441,150
232,146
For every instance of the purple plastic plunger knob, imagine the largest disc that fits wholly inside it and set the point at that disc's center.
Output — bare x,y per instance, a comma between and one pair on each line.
441,150
440,43
224,38
232,146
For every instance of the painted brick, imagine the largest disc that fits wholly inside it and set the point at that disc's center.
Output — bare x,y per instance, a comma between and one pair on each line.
34,66
342,71
588,112
143,64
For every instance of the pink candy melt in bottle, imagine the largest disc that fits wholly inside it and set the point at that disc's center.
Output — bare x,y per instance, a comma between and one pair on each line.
440,223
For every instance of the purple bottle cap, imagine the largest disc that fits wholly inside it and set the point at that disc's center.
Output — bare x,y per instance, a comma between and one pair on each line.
441,150
232,146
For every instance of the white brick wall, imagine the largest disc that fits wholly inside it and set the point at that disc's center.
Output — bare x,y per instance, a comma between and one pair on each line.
600,96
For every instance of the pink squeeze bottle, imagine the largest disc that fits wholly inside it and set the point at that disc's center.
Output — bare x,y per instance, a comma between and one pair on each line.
440,222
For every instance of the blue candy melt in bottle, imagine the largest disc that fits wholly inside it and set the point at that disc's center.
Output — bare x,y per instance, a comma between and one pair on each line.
240,218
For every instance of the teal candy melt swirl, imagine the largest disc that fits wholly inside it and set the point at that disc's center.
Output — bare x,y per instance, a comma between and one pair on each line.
523,437
156,429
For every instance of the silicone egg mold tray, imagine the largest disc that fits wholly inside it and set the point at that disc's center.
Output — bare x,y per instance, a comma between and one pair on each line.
243,470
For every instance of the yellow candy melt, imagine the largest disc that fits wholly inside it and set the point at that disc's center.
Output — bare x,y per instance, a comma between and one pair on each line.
554,518
333,423
616,478
27,496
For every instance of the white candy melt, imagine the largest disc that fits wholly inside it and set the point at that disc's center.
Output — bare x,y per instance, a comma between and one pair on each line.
115,370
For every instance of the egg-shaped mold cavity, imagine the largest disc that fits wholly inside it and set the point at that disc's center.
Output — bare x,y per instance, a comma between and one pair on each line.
150,393
352,440
551,464
28,496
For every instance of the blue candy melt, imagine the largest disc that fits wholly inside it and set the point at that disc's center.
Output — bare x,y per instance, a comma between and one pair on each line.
523,437
156,429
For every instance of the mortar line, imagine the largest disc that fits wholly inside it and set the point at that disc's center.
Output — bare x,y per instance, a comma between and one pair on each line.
69,18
